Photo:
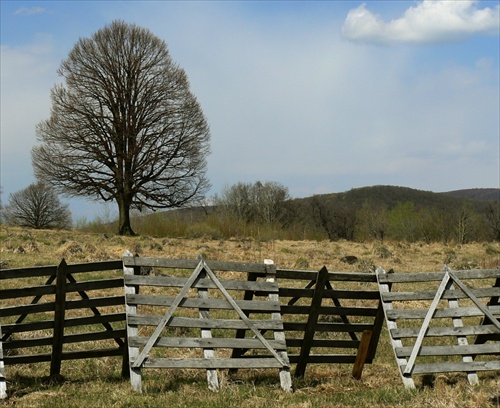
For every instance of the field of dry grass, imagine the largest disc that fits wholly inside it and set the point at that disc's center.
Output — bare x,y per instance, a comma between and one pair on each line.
97,382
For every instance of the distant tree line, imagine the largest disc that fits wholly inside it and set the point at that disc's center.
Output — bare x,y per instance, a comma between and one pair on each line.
336,217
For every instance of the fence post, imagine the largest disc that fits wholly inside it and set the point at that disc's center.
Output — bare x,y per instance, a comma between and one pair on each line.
3,381
59,313
321,279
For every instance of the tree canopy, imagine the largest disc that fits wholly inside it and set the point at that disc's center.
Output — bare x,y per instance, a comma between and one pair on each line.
124,125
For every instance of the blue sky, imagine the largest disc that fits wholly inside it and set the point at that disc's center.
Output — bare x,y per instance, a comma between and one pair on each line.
319,96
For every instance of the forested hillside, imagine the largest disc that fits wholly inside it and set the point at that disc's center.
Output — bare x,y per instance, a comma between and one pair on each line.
368,213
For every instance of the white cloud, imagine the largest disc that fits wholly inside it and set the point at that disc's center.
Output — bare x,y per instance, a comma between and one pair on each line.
27,11
430,21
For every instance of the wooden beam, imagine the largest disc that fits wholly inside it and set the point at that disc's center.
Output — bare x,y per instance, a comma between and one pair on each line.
363,348
305,350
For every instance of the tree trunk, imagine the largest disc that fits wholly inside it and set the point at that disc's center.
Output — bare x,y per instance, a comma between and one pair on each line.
124,227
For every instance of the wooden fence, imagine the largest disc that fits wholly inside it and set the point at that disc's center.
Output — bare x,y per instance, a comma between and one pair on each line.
69,314
336,318
205,298
431,332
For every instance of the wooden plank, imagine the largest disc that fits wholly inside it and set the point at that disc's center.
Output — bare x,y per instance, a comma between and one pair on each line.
209,343
261,306
446,331
151,320
321,279
329,327
32,272
364,345
469,311
330,310
326,358
324,343
191,264
438,276
212,363
332,276
100,266
73,338
59,314
27,309
132,329
330,293
3,380
25,292
449,367
455,350
94,285
448,294
169,281
206,334
279,335
445,284
385,287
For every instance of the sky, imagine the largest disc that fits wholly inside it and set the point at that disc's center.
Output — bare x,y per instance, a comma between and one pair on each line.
320,96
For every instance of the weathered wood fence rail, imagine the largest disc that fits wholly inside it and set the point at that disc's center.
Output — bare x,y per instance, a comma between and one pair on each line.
53,317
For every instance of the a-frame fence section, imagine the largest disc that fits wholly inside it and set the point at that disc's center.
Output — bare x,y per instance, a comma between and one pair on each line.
67,314
458,329
336,318
195,305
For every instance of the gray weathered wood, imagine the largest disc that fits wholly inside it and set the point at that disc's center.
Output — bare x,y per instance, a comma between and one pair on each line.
445,284
279,335
196,303
448,294
169,281
3,381
385,287
206,334
152,320
208,342
450,367
438,276
212,363
469,311
132,330
455,350
447,331
192,264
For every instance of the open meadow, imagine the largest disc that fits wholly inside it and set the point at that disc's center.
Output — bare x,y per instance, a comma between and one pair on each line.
98,382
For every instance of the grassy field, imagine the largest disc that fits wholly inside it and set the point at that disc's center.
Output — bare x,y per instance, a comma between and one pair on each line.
97,382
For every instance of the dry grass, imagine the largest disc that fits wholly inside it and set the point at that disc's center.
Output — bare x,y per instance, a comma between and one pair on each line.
97,382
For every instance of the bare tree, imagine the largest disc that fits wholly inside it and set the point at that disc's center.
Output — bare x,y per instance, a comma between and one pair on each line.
264,203
38,207
124,125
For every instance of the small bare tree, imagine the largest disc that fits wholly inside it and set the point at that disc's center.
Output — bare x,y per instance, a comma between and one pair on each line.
38,207
124,126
